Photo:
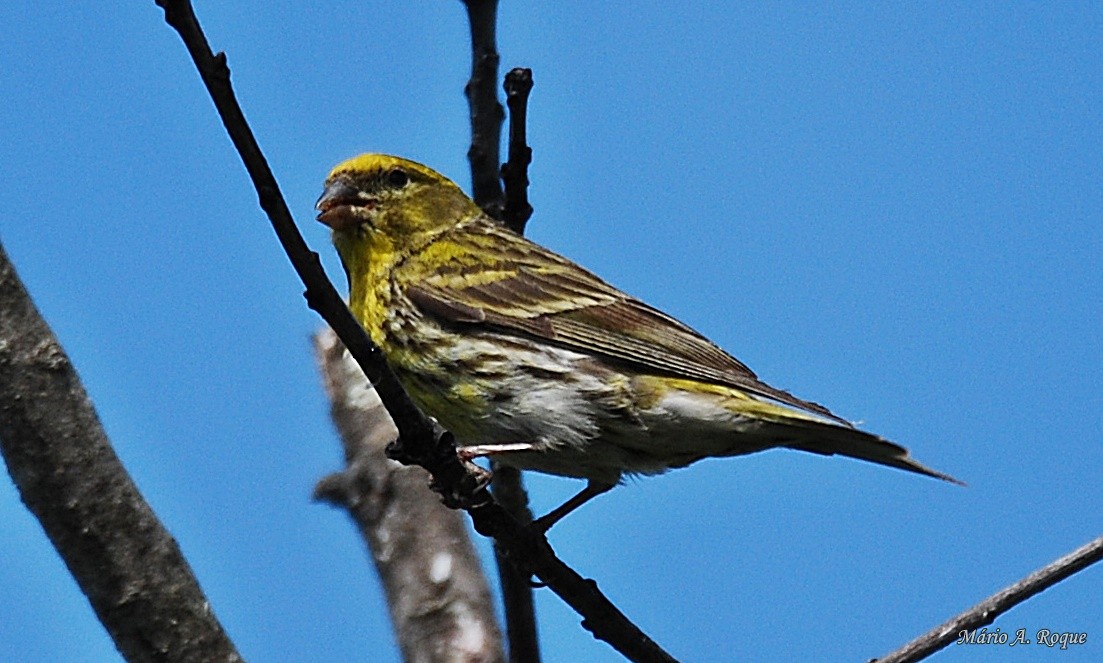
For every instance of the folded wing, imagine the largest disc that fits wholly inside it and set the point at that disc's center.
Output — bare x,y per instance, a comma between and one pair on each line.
488,276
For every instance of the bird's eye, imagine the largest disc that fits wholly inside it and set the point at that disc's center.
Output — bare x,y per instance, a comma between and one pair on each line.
398,178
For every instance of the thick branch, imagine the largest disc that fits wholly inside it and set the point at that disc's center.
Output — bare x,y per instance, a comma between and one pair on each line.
421,442
986,612
438,597
127,564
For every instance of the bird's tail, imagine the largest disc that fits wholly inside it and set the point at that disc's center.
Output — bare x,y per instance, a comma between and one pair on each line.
829,439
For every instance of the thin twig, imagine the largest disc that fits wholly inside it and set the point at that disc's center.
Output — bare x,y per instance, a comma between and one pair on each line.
515,172
126,563
421,442
989,609
486,112
486,126
320,293
520,612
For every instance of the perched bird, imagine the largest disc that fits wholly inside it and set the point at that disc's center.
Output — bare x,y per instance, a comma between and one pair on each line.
531,359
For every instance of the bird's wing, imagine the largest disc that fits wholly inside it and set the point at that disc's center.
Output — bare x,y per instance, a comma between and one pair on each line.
489,277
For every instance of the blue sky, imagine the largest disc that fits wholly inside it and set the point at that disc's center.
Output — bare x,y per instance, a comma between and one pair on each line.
895,211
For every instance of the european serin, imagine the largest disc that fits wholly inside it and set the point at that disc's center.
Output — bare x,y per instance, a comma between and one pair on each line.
528,357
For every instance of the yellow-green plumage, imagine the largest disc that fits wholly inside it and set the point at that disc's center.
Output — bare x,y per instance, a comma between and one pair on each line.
526,355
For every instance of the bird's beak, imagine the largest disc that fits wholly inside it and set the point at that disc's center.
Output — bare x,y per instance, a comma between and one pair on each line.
341,206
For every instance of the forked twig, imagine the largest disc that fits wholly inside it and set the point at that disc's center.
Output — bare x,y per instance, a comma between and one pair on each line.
421,442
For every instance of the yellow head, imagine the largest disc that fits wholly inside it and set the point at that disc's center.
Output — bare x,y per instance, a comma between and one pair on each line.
380,203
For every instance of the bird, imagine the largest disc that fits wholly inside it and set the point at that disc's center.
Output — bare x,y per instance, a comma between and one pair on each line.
536,362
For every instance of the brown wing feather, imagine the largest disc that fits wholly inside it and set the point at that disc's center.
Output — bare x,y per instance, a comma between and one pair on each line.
542,294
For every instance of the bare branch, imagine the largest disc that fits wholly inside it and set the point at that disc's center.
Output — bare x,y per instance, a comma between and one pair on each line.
486,112
320,293
127,564
438,597
420,442
486,126
524,642
515,172
988,610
